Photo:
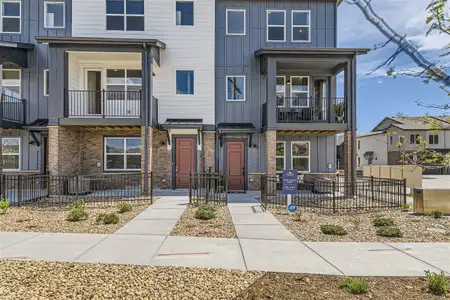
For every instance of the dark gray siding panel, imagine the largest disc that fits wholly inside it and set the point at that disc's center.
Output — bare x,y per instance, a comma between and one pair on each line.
30,154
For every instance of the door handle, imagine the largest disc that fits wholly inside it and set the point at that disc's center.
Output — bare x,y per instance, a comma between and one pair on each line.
176,169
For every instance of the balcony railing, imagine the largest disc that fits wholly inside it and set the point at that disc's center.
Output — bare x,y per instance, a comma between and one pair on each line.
104,104
12,109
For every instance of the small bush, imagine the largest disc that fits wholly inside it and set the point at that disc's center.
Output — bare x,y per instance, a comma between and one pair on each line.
354,286
437,284
205,212
297,216
77,204
107,218
356,222
4,205
382,221
125,207
389,231
333,230
207,207
77,214
437,214
405,207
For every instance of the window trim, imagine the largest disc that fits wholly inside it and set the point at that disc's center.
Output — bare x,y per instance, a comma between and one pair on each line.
307,92
284,156
226,21
284,91
45,15
186,95
413,141
226,88
175,14
20,152
11,17
20,81
267,25
309,26
433,137
124,15
46,92
309,155
391,140
125,154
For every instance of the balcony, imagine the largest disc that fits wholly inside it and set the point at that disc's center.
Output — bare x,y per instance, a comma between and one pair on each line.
12,111
103,104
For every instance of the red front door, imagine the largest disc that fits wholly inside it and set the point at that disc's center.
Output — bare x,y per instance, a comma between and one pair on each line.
185,159
236,166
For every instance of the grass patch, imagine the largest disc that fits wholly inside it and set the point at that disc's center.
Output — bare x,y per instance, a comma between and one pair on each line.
354,286
333,230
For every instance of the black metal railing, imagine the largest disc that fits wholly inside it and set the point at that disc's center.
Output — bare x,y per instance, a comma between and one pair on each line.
104,104
326,195
13,109
310,109
208,187
55,190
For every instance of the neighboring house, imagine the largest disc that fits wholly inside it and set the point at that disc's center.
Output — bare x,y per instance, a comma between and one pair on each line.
172,87
372,149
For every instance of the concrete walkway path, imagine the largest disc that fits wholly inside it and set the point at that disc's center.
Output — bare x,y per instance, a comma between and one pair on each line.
262,244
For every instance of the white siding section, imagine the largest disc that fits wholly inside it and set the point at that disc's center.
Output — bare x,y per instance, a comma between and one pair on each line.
74,74
187,48
378,144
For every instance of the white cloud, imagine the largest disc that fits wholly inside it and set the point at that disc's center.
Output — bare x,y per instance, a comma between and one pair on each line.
433,42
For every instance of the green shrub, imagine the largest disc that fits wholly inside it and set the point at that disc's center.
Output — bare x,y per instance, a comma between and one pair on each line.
356,222
405,207
333,230
354,286
77,204
77,214
437,214
437,284
297,216
4,205
107,218
205,212
125,207
389,231
207,207
382,221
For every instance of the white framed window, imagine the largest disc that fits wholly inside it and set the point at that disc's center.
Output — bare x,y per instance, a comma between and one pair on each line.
235,87
11,83
125,15
301,26
281,90
414,139
185,83
184,13
391,140
300,156
122,154
11,11
11,154
280,155
299,91
276,26
46,82
433,139
235,21
55,14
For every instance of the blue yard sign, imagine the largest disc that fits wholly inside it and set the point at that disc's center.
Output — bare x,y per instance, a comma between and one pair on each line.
292,207
289,182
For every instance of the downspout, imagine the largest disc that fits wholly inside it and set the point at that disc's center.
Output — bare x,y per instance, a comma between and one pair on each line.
145,115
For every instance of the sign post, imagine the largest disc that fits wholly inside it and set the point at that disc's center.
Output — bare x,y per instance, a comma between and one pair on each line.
289,187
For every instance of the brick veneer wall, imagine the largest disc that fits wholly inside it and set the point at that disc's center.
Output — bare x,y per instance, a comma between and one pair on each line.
209,150
271,164
162,161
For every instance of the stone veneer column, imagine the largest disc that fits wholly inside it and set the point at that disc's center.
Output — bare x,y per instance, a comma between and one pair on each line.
53,146
146,176
349,159
209,150
271,143
64,150
162,160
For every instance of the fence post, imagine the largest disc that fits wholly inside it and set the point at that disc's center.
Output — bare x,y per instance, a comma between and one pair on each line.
334,196
404,190
225,187
371,188
19,189
3,187
190,187
151,187
208,182
76,187
103,108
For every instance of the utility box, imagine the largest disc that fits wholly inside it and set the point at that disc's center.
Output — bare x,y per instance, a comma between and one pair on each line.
428,200
418,201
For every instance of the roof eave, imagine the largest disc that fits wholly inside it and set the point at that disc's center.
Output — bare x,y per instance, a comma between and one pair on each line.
310,51
99,41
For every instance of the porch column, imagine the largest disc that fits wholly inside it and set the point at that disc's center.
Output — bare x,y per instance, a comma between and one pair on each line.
64,150
349,158
58,65
271,144
271,94
146,158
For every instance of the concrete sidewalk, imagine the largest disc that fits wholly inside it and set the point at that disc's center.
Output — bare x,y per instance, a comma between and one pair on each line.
263,244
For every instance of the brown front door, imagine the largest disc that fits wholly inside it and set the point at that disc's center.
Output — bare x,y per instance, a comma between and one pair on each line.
236,166
185,159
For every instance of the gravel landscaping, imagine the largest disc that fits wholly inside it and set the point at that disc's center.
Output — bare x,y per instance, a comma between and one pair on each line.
54,219
360,227
220,227
311,287
52,280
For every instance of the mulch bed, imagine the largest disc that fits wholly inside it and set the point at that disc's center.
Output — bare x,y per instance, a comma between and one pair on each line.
312,287
220,227
360,227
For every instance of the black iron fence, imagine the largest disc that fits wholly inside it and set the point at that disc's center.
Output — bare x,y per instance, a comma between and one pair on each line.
12,109
325,195
208,187
103,103
54,190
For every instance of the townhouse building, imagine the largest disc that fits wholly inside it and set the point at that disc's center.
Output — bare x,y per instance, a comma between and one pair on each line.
175,86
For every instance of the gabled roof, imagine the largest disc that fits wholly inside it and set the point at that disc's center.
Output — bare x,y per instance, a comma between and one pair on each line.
371,134
414,123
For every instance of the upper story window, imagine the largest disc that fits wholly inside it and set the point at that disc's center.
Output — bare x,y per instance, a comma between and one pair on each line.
125,15
184,13
235,20
11,153
235,88
185,82
281,90
414,139
54,15
11,12
299,91
129,81
11,83
433,139
276,25
391,140
301,26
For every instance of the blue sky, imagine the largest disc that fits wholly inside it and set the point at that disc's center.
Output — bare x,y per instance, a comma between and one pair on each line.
378,95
